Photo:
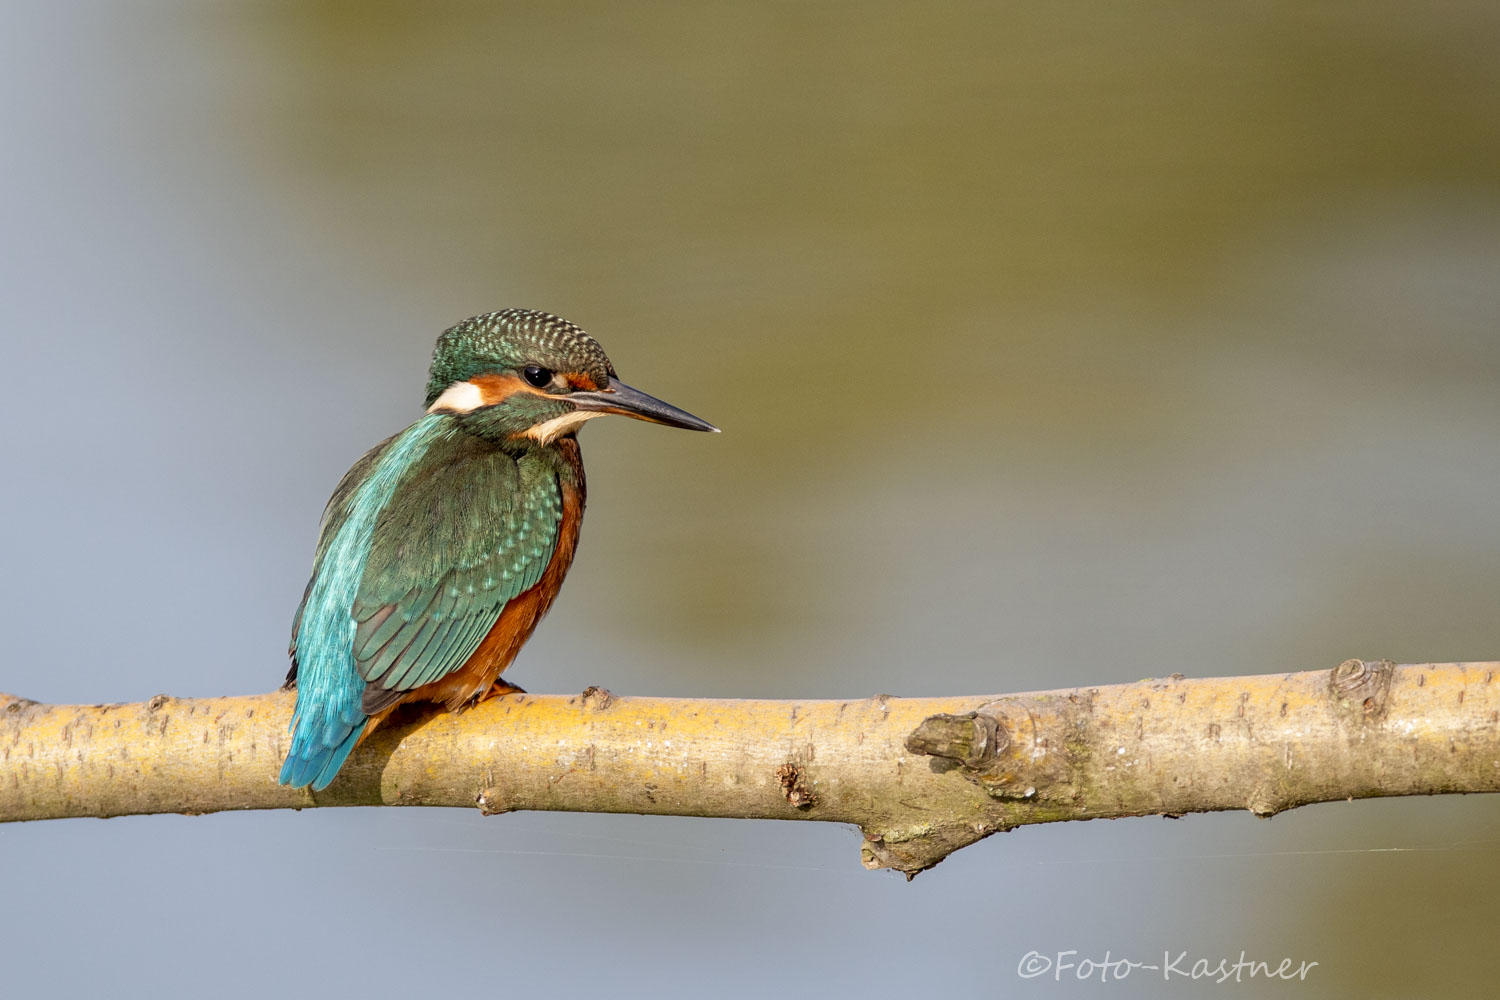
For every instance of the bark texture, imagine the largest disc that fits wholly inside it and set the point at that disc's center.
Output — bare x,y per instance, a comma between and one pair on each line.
921,777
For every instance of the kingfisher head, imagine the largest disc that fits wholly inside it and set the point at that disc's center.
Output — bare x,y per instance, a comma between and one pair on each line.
522,375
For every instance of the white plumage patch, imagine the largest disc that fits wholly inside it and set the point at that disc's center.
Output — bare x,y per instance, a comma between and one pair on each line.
460,397
550,430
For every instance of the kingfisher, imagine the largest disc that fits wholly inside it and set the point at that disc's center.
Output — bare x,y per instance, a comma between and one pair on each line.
443,547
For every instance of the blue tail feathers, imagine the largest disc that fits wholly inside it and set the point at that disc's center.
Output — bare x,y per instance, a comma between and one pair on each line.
316,756
315,762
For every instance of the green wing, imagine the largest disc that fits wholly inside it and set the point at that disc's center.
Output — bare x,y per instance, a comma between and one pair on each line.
468,529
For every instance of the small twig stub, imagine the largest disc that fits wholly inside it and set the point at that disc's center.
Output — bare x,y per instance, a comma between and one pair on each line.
794,786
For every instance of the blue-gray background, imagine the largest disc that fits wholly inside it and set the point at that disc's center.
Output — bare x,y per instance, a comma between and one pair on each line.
1053,344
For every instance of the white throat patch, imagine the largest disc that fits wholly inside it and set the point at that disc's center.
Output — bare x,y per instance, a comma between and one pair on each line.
550,430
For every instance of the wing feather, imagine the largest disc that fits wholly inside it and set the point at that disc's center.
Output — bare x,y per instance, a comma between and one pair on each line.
460,538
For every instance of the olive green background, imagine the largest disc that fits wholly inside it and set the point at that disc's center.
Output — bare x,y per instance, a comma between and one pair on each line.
1053,345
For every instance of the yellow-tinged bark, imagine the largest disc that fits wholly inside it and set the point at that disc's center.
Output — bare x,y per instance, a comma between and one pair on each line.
920,776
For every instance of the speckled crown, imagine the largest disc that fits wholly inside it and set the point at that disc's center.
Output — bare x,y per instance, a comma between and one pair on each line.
509,340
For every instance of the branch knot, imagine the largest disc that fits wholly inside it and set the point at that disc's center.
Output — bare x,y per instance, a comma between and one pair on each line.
971,739
1362,687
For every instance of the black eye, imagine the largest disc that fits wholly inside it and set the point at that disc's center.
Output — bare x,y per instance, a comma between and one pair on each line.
537,376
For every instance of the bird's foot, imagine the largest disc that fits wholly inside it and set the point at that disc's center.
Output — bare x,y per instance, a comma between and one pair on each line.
500,689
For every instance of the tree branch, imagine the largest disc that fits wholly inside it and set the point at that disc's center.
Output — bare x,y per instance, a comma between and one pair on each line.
921,777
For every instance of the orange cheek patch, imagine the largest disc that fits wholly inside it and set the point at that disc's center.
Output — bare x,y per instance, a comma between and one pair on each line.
581,380
498,388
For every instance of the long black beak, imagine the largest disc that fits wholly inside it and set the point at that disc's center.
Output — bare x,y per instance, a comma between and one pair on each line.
622,399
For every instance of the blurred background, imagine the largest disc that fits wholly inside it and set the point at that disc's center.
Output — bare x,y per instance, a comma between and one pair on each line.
1053,345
